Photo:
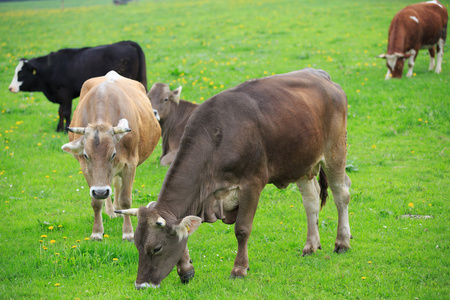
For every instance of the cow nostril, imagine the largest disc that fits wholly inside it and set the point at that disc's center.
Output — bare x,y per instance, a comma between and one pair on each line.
100,193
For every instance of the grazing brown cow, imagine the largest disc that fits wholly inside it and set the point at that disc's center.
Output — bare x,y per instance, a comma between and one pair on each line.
113,130
279,129
174,114
417,26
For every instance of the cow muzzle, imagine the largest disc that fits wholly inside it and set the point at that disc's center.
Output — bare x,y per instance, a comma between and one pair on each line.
145,285
100,192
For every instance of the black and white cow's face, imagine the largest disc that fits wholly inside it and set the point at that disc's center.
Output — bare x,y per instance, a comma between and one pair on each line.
24,77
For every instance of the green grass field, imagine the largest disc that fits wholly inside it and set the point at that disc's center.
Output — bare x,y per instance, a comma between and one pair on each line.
398,154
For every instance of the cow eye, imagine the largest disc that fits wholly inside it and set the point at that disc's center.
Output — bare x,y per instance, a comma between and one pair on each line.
166,99
157,249
86,157
113,155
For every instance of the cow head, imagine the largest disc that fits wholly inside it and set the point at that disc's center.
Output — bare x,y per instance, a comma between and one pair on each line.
395,63
162,98
161,243
96,152
24,77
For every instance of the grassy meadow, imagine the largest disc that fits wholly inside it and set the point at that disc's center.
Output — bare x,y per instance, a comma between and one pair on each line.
398,154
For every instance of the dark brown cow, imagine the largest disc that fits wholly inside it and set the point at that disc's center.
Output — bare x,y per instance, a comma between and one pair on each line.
108,152
174,114
418,26
280,129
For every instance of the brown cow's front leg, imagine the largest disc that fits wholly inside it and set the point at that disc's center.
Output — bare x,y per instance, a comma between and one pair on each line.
309,188
185,269
97,229
248,202
124,199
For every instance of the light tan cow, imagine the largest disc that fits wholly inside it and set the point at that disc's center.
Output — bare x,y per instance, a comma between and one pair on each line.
113,130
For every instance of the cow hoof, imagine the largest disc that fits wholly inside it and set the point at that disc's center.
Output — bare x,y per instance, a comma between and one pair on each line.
128,237
309,249
186,277
340,248
97,236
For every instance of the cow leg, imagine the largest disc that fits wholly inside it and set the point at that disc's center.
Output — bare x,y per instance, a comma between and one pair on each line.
97,229
65,112
411,61
109,207
248,202
440,55
339,184
310,191
124,199
432,59
388,75
185,269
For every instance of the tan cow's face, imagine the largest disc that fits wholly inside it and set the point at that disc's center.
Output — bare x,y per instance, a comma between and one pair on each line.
96,152
162,98
160,242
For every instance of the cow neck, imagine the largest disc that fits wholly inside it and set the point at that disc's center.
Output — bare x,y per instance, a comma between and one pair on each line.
179,118
187,187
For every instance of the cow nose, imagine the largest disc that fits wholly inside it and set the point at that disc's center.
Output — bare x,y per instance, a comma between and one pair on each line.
100,192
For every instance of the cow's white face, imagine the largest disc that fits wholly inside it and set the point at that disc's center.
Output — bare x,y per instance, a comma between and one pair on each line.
96,152
162,98
15,83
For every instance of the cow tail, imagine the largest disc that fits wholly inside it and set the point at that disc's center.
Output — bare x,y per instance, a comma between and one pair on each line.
142,66
323,183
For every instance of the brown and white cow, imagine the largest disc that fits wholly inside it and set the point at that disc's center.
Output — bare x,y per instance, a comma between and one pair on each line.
174,114
281,129
113,130
417,26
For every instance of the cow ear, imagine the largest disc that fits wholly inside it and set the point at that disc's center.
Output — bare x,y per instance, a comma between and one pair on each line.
382,56
121,129
187,226
74,147
176,95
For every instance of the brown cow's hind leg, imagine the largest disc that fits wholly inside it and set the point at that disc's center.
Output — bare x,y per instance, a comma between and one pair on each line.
310,190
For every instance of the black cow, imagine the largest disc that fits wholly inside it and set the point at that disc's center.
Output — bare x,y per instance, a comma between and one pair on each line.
60,75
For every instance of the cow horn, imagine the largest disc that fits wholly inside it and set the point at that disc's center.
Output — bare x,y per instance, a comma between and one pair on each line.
161,222
77,130
121,130
129,212
382,56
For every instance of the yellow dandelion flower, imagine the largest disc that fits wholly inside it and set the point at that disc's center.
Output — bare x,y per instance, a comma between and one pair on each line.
39,144
73,247
57,284
45,248
50,227
43,236
115,259
59,226
374,146
77,241
420,120
363,278
86,239
106,236
56,253
411,204
370,262
52,241
65,237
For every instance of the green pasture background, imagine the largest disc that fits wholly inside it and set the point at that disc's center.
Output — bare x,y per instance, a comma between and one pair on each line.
398,154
